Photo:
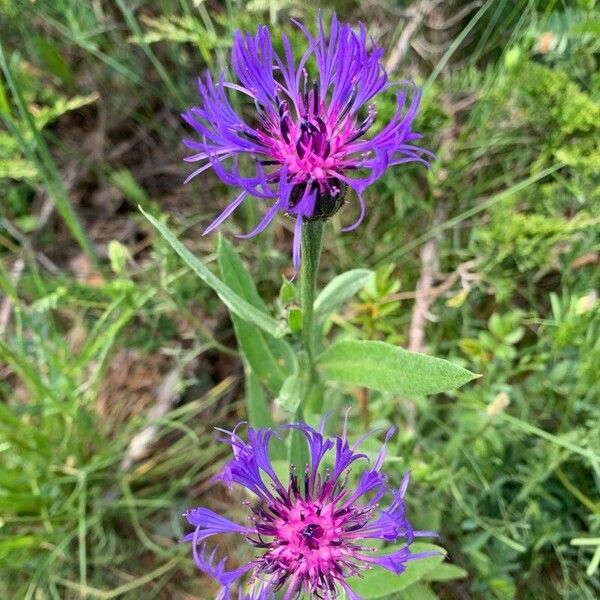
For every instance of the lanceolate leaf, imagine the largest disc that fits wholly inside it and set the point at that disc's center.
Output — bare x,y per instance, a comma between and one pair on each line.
259,412
419,591
271,359
446,572
339,289
384,367
233,301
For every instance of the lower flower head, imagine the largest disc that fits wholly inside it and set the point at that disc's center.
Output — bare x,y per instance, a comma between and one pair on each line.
312,534
310,140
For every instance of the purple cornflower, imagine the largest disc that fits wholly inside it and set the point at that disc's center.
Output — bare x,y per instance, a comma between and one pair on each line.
307,142
312,534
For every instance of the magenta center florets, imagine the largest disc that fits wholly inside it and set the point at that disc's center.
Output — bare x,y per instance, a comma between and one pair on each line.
313,143
308,539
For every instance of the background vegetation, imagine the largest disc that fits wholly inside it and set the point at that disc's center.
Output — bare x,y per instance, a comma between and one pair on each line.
116,362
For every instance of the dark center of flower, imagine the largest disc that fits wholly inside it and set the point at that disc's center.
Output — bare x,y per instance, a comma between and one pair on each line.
328,201
312,534
312,531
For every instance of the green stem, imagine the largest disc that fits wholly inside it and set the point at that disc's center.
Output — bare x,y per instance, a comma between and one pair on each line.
312,240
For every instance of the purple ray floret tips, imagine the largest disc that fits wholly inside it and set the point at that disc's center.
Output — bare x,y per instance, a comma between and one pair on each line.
311,534
308,147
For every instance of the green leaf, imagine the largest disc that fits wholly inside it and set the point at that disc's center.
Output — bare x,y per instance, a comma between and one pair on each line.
52,58
4,106
295,386
237,305
118,255
446,572
287,293
340,289
294,318
291,393
419,591
378,582
271,359
387,368
259,412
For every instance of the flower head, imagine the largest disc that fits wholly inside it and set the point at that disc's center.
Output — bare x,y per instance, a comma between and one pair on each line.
311,534
308,141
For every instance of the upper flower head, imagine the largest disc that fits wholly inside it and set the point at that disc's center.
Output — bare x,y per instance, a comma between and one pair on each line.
311,534
307,142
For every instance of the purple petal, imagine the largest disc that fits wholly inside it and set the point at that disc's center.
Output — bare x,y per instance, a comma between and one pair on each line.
204,168
404,484
350,593
226,213
210,523
361,216
381,456
263,223
318,447
396,561
217,571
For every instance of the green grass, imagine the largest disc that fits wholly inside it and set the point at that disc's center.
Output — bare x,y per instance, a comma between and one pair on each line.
94,332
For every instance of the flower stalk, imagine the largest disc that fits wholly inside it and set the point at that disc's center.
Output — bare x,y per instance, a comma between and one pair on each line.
312,242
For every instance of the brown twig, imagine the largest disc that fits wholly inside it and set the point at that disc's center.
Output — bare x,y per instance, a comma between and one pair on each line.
456,18
417,13
420,314
429,268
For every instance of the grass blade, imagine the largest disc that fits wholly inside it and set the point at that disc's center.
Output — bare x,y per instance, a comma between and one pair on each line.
45,163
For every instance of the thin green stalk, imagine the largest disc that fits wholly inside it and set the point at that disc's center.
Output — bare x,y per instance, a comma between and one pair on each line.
312,240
